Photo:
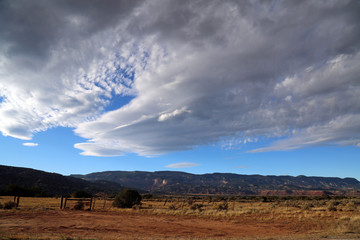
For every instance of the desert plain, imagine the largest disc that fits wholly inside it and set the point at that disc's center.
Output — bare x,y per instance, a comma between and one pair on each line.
185,218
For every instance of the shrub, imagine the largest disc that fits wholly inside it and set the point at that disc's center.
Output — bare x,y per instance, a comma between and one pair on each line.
197,207
79,205
331,206
16,190
222,206
81,194
147,196
351,206
23,191
136,207
9,205
307,206
172,207
220,198
292,203
127,199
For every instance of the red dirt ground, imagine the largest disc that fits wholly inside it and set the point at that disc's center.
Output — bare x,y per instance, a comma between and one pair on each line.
62,224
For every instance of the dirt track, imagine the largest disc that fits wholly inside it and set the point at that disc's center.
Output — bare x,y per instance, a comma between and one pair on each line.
130,225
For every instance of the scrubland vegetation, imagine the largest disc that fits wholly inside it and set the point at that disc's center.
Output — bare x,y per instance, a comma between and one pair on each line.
334,215
320,216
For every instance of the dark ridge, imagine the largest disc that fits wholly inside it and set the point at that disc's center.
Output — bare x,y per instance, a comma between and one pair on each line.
52,183
169,182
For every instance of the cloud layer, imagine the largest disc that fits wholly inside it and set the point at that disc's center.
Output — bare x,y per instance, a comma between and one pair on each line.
200,72
182,165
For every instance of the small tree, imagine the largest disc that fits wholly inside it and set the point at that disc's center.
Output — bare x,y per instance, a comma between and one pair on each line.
147,196
81,194
127,199
16,190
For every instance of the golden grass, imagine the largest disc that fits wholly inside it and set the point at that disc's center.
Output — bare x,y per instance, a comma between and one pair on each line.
33,203
327,211
325,216
201,207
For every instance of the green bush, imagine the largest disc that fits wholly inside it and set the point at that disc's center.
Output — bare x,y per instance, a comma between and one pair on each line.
9,205
331,206
190,201
79,205
23,191
81,194
222,206
147,196
127,199
351,206
173,207
197,207
307,206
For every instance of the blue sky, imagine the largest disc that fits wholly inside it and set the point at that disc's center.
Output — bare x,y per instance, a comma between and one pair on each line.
246,87
55,153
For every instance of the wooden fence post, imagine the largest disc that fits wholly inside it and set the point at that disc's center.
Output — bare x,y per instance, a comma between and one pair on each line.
93,207
17,201
61,203
90,203
65,202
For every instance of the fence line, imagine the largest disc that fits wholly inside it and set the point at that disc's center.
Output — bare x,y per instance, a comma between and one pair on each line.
56,202
91,201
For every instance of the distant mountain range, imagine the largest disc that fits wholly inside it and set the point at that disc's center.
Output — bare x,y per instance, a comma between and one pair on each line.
52,183
170,182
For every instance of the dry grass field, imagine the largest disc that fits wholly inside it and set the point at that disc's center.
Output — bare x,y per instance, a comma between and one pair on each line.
186,218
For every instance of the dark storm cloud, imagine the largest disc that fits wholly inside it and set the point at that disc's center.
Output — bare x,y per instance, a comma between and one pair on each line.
33,26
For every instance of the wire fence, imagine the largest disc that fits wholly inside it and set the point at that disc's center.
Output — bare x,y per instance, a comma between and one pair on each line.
56,202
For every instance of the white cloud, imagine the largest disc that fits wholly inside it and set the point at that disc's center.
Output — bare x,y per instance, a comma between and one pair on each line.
166,116
200,72
182,165
55,73
30,144
337,132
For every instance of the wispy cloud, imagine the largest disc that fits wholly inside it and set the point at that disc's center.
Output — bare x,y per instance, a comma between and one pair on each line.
182,165
30,144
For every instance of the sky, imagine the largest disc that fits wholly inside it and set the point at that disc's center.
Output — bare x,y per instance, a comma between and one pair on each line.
248,87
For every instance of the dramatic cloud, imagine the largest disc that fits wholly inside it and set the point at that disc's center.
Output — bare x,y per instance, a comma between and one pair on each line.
59,63
30,144
199,72
182,165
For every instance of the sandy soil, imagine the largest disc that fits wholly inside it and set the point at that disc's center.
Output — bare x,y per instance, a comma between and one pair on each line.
62,224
